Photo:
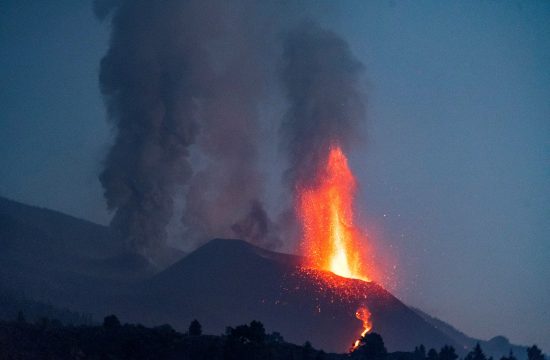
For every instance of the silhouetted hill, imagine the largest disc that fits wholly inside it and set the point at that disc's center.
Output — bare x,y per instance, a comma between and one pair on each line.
13,304
59,259
66,234
496,347
30,234
232,282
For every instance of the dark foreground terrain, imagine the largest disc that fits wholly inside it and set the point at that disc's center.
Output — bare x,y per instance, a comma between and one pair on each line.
50,339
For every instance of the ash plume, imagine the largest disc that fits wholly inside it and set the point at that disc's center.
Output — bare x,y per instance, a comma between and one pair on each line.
257,228
152,79
227,191
178,76
321,78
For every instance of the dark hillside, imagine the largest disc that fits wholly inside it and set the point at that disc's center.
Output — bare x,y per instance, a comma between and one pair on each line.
231,282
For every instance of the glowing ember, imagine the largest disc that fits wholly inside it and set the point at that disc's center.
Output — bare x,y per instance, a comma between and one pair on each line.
362,314
330,240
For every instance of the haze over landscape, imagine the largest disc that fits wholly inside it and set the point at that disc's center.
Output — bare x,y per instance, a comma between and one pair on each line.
452,162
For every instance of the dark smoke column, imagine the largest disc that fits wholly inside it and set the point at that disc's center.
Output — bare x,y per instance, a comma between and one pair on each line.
321,78
151,81
224,196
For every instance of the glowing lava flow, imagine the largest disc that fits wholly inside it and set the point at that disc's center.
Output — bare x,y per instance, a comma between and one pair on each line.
362,314
330,240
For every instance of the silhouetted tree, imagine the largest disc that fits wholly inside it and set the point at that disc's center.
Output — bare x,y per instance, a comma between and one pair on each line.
432,355
534,353
447,353
246,342
195,328
253,333
307,351
419,353
257,332
111,322
371,347
509,357
476,354
21,317
275,337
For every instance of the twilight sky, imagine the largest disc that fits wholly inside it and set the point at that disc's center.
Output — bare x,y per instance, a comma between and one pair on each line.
454,175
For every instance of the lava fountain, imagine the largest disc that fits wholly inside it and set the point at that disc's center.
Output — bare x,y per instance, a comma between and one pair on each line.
330,240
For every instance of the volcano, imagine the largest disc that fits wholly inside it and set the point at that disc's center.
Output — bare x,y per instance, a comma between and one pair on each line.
230,282
223,283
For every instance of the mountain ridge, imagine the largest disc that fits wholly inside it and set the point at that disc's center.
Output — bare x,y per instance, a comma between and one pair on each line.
37,243
228,282
493,347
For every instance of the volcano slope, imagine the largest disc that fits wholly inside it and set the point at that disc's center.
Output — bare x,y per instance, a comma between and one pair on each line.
230,282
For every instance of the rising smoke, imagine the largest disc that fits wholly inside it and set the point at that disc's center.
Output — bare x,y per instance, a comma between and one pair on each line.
223,199
321,78
182,78
152,77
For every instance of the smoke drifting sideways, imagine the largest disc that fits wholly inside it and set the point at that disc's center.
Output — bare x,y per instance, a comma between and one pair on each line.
187,77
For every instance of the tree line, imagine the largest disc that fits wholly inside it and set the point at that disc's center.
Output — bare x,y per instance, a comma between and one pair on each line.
50,339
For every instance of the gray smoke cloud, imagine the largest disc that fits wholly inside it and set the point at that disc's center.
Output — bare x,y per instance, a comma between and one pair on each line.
227,191
180,75
184,84
326,106
321,79
151,78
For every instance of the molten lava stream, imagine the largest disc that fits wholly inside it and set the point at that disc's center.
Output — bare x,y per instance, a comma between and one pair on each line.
330,240
362,314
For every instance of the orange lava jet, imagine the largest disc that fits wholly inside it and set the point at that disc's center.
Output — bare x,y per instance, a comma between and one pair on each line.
330,240
362,314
